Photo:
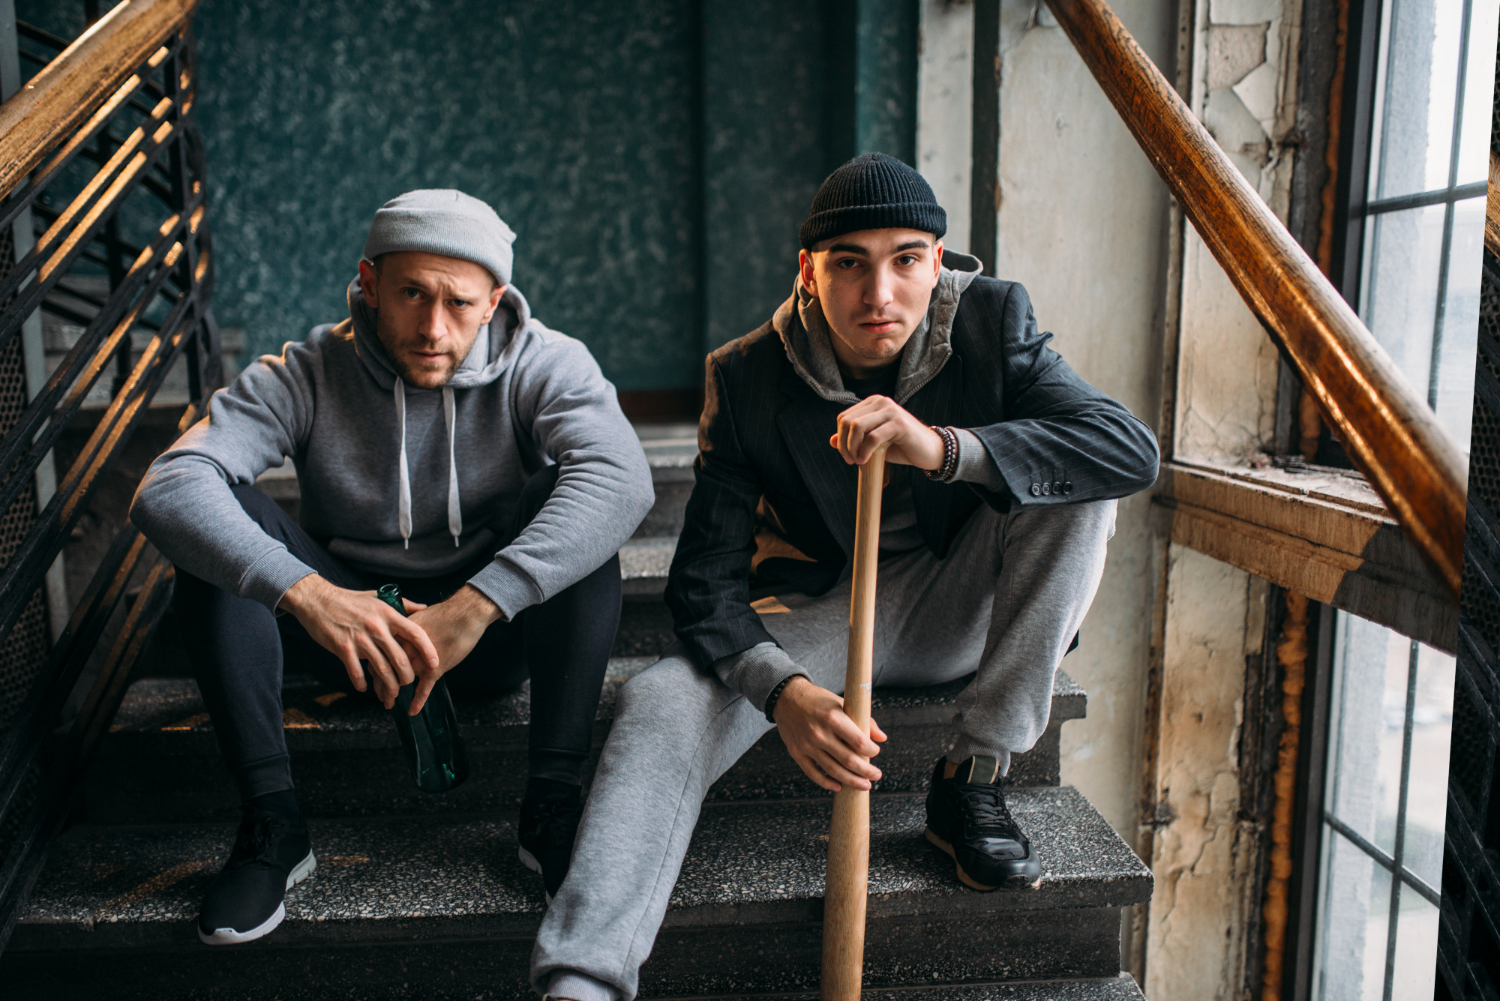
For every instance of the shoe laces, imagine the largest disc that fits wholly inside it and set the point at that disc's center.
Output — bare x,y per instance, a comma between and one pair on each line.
256,841
551,819
985,806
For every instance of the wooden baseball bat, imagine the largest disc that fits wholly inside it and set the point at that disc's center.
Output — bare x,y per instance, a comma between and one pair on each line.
846,886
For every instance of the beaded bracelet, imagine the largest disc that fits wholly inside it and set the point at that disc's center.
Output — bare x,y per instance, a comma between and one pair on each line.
776,694
944,473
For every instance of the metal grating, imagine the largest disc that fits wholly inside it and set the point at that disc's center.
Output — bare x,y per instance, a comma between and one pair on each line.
1468,964
24,651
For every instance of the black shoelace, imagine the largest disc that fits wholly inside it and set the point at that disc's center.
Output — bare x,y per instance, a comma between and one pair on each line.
551,819
257,840
988,812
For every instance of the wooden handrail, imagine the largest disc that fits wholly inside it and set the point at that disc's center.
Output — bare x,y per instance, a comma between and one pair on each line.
1391,435
1492,208
68,89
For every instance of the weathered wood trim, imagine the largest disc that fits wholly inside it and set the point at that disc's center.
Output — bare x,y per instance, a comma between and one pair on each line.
1341,551
69,88
1389,432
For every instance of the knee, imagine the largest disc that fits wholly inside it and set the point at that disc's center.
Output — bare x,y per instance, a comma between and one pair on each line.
262,510
1092,521
670,701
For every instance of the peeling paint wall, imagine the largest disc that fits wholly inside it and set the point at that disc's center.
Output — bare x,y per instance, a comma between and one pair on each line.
1082,224
1205,852
1204,860
1243,89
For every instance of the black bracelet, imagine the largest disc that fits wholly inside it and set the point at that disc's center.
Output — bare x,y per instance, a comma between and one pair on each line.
776,694
944,473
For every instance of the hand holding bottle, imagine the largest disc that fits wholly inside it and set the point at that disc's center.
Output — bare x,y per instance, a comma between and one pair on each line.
357,626
454,626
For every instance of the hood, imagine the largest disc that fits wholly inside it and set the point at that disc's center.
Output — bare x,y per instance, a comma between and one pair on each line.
805,335
493,351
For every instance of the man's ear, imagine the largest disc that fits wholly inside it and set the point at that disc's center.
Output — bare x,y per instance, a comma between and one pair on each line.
369,282
805,271
937,260
495,295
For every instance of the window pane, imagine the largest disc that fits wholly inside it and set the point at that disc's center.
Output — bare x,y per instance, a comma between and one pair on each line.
1356,899
1404,253
1416,948
1427,788
1455,382
1479,92
1370,668
1421,78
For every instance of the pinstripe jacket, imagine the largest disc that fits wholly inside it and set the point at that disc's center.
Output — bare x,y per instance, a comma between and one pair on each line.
773,503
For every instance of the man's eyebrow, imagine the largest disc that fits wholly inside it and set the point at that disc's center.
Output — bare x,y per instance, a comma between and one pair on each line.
851,248
912,245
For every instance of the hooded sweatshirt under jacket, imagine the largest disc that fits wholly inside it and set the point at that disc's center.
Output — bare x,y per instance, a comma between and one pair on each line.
404,481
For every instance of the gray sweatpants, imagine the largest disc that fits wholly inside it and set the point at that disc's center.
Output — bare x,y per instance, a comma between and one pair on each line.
1005,603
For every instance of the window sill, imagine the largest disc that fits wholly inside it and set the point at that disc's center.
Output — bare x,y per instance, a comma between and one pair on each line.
1321,533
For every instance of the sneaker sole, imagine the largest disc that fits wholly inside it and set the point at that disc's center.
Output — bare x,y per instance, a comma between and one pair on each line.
228,936
530,862
1019,881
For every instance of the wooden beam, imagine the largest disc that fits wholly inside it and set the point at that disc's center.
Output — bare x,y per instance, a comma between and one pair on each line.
1387,430
1340,550
84,75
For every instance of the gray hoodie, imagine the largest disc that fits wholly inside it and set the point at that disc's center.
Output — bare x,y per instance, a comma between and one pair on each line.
403,481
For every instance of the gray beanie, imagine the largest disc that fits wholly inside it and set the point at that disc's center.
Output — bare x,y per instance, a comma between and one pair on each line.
443,221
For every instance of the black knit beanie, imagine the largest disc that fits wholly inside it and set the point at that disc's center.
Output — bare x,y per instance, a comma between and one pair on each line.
872,191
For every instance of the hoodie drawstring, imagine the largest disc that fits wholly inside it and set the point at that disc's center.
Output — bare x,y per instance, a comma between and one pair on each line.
403,490
455,513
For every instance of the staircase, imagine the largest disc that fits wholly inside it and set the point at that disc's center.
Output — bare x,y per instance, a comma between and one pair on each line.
422,896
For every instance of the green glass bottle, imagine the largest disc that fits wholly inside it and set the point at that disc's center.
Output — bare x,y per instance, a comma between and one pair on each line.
433,746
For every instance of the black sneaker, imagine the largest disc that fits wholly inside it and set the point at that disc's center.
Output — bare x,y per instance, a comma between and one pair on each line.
271,855
967,818
549,823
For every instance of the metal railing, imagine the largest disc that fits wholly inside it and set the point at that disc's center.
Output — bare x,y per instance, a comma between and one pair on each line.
1389,432
101,175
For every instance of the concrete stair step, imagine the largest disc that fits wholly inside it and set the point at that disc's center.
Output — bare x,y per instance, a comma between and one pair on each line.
442,900
161,761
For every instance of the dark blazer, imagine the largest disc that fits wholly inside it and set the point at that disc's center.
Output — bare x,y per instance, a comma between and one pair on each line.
773,503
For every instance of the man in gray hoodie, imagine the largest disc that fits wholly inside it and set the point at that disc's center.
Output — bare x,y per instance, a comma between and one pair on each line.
444,440
1004,469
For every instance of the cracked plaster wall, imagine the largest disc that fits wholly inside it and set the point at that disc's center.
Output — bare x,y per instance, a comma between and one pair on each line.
1204,858
1082,224
1243,89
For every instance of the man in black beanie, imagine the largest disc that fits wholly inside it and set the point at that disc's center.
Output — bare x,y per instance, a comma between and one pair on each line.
1004,470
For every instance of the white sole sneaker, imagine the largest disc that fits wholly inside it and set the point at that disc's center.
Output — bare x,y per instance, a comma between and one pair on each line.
228,936
530,862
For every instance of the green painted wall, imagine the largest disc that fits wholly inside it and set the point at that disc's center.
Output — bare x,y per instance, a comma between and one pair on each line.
655,157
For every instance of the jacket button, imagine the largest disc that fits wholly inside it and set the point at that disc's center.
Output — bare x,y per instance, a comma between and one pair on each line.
1067,487
1036,490
1057,487
1046,488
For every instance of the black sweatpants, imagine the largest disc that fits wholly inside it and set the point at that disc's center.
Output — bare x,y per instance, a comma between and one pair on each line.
237,648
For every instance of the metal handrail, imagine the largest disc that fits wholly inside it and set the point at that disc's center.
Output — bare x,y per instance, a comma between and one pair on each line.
1389,432
73,112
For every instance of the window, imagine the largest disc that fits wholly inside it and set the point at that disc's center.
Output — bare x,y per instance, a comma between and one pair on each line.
1416,232
1390,716
1423,211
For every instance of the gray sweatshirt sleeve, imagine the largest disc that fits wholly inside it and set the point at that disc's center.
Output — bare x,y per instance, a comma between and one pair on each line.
184,505
755,672
603,486
975,464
